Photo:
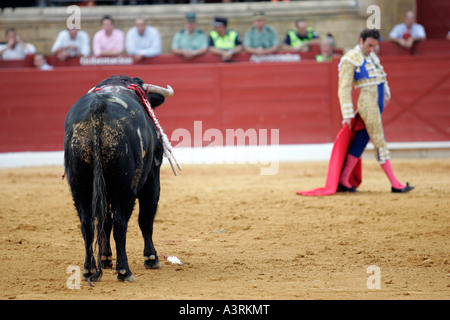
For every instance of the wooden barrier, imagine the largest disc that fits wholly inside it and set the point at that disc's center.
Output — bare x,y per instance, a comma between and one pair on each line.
422,48
429,47
299,99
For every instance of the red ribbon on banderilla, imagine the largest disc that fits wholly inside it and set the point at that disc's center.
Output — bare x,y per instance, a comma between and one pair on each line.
168,150
166,92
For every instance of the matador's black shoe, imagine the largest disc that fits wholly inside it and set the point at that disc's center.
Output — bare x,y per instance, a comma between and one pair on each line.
342,188
406,189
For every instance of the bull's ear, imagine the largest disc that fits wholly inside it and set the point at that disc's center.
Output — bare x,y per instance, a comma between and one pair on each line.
156,99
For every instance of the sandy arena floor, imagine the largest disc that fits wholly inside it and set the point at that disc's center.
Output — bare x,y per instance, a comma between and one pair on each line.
242,235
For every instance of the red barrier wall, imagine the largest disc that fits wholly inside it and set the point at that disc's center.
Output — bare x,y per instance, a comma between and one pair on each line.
299,99
161,59
431,47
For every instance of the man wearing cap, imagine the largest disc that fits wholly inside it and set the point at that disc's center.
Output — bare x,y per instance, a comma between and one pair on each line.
190,41
223,41
261,39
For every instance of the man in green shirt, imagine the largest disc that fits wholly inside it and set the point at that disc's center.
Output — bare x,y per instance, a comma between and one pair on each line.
261,39
190,41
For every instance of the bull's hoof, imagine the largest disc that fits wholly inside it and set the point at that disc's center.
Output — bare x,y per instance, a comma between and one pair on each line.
106,262
152,262
123,275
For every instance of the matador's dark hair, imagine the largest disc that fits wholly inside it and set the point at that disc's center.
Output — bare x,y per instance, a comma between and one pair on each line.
370,33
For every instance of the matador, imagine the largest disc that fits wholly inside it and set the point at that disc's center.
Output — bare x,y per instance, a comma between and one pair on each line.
361,68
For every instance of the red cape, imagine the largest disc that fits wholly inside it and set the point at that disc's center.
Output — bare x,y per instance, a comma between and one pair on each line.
343,141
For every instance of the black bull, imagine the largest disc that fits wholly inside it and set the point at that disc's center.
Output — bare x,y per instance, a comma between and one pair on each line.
112,155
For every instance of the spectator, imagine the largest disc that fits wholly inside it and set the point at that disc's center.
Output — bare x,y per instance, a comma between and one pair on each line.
326,49
261,39
405,34
108,41
14,48
143,41
190,41
40,62
223,41
300,39
71,43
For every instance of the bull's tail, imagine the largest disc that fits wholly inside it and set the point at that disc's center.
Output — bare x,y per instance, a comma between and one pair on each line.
99,202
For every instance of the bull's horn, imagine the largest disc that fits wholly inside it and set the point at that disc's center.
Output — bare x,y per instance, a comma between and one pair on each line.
151,88
92,90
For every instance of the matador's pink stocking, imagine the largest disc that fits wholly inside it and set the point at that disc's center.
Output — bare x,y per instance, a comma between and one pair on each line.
390,173
350,163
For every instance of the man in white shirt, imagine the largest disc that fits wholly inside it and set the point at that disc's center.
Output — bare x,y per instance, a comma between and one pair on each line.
14,48
405,34
143,41
71,43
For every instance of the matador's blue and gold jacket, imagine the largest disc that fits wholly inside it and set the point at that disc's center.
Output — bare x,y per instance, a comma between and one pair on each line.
358,70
